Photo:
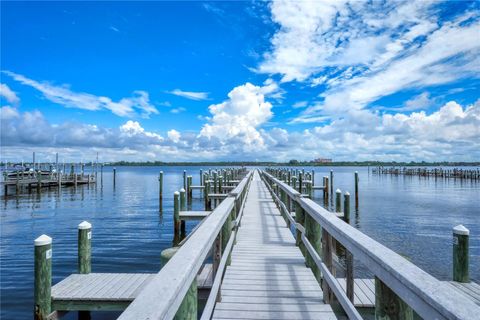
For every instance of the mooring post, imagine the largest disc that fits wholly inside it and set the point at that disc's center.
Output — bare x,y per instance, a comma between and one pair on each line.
114,176
338,200
215,181
201,177
189,306
356,189
460,254
331,181
220,179
185,179
160,185
327,193
346,207
206,188
182,208
39,181
294,182
300,184
176,215
43,276
189,188
84,247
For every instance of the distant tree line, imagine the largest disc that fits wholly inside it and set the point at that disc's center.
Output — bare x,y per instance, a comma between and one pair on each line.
294,162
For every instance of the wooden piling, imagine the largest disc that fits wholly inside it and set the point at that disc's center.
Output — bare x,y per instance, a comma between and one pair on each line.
183,207
460,254
176,215
189,188
206,190
356,189
346,207
43,277
84,247
331,182
338,200
185,179
160,185
114,176
201,177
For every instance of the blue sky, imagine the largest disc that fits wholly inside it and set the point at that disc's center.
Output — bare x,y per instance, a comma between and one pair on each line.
241,80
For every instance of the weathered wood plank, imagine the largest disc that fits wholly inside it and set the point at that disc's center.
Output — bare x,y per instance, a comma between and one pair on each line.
193,215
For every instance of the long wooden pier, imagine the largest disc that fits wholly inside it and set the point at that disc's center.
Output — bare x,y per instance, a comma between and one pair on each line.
266,251
267,277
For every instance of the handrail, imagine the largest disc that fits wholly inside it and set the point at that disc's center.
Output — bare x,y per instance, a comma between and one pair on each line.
212,298
429,297
162,296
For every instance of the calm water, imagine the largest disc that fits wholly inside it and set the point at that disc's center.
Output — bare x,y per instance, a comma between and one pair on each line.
411,215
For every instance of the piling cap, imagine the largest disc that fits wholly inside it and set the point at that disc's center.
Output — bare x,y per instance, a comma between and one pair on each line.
461,230
176,193
338,191
347,193
161,172
182,190
84,225
43,240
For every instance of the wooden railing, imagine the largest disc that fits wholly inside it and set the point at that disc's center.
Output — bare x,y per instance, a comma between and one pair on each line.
426,295
161,298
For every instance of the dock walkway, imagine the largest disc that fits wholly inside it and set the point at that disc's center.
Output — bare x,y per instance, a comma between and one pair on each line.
267,278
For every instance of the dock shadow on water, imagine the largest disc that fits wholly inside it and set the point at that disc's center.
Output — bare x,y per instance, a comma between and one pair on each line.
412,215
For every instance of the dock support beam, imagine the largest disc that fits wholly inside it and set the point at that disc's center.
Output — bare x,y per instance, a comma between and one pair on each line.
43,276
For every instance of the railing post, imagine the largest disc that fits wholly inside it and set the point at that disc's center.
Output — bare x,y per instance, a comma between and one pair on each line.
389,306
189,307
460,254
313,234
328,260
300,219
43,276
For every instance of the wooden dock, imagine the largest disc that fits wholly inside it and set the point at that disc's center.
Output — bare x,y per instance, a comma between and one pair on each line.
245,262
267,278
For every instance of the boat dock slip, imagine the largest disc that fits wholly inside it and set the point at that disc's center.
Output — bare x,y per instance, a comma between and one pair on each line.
267,277
265,251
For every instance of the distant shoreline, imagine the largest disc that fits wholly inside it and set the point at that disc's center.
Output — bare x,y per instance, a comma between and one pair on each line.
297,164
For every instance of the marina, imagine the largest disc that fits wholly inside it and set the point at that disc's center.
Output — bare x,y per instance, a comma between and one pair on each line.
191,211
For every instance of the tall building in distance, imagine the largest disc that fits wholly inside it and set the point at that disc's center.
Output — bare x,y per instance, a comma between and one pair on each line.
322,160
